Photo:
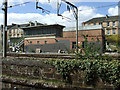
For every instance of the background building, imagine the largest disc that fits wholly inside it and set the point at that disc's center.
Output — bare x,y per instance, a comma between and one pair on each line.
15,32
109,23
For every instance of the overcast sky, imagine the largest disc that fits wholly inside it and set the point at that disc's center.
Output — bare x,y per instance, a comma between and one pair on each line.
28,12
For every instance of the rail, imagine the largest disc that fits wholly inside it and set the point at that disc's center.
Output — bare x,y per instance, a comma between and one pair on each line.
56,55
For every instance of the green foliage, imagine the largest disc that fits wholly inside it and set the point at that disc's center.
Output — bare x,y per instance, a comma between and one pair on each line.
114,39
95,66
107,70
90,49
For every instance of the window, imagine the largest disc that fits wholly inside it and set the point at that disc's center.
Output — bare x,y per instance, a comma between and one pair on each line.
114,32
108,32
9,30
18,30
108,24
13,30
38,42
30,42
113,23
83,44
73,45
100,23
45,42
21,30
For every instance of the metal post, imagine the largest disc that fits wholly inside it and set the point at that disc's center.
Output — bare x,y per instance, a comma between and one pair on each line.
5,29
76,17
119,17
118,22
77,30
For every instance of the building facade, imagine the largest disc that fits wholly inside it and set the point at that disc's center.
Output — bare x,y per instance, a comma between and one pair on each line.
16,31
109,23
52,38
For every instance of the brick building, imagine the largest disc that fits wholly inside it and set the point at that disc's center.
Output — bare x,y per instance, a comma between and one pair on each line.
109,23
51,38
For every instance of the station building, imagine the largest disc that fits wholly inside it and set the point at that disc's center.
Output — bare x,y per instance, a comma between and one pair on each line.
52,38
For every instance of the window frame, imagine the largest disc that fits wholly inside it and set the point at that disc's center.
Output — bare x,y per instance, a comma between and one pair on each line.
107,32
113,23
114,32
108,24
30,42
38,42
45,42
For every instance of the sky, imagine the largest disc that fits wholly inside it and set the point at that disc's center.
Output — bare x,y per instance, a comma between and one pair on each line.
88,9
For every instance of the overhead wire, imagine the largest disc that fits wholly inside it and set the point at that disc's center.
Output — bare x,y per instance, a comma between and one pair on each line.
63,17
99,7
1,6
96,7
43,10
58,9
18,4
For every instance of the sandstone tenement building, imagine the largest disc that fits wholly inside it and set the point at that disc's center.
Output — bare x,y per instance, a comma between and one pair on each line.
109,23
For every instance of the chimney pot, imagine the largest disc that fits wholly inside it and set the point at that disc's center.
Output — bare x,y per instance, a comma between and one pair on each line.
36,23
30,23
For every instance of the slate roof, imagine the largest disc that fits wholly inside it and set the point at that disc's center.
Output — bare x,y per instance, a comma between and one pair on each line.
9,26
18,26
42,26
101,19
89,27
21,25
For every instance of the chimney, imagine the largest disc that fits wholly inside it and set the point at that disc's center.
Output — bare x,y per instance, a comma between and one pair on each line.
30,23
107,16
13,24
36,23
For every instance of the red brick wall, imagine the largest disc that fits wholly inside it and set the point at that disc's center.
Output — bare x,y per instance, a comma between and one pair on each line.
80,39
85,32
93,35
42,41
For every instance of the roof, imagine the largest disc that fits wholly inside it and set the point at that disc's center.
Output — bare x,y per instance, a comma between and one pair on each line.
21,25
101,19
42,26
89,27
9,26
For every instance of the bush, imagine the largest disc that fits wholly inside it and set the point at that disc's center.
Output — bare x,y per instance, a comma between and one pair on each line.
113,39
106,70
95,67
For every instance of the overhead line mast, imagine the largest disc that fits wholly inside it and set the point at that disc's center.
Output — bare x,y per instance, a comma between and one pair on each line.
75,12
5,29
43,10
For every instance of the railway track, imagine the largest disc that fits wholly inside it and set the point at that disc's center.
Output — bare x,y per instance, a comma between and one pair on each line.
43,55
53,55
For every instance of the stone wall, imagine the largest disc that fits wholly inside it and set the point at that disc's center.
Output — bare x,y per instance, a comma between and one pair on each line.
35,70
29,68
